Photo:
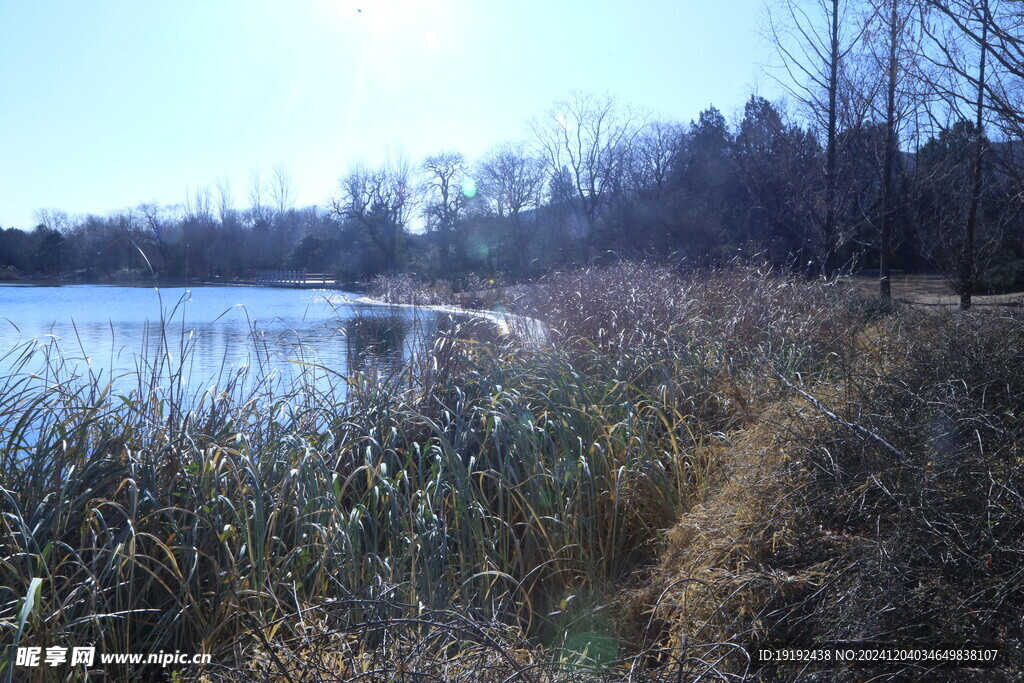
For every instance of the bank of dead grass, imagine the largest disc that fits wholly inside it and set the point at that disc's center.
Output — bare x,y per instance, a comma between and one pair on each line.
895,520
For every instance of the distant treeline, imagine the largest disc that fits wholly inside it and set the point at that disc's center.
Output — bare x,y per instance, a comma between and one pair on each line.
898,153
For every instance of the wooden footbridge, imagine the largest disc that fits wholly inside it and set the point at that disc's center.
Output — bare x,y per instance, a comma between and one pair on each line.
284,278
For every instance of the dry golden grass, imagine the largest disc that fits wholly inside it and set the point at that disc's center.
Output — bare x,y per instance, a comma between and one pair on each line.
894,517
713,584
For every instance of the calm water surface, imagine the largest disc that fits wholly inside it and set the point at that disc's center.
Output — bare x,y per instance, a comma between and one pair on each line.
208,332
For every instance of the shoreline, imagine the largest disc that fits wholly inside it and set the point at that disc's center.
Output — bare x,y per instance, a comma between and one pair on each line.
512,325
351,287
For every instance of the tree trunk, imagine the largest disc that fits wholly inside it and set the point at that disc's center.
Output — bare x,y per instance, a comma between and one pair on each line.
967,259
891,149
830,150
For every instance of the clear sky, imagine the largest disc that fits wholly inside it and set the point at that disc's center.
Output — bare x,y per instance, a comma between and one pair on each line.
107,104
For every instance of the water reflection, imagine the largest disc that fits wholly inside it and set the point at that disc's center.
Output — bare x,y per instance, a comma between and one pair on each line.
205,336
376,339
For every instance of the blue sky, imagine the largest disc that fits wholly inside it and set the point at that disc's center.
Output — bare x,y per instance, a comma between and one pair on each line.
107,104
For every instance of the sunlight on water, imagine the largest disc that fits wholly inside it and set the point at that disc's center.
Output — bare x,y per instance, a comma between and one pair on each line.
207,333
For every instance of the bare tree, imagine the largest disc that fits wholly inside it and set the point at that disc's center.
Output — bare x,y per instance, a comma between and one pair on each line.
198,204
257,194
643,207
655,154
443,177
512,183
894,42
588,136
163,228
54,219
816,40
999,26
281,188
973,85
894,26
225,204
380,201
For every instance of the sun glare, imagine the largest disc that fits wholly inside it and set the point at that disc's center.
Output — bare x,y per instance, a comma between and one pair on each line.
383,13
431,40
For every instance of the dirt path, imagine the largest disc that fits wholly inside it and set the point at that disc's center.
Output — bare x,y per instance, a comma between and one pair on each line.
932,290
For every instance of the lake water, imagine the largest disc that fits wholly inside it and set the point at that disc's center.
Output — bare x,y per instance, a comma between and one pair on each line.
208,333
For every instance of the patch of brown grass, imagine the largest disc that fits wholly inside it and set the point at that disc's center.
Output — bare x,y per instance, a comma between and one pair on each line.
893,518
708,597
